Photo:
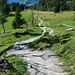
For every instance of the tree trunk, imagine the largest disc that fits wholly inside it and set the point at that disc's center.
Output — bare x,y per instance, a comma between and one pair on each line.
3,28
32,17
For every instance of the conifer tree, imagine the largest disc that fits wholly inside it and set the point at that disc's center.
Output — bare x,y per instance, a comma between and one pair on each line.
2,14
18,21
32,17
57,8
2,21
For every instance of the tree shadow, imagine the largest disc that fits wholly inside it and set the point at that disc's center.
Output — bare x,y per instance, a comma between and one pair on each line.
18,35
1,53
66,35
11,14
49,41
65,38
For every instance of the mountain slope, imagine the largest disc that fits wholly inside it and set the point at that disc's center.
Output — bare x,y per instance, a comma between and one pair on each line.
27,2
56,5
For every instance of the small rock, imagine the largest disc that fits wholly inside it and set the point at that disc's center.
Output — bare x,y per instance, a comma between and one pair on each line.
52,35
69,29
60,64
4,65
41,26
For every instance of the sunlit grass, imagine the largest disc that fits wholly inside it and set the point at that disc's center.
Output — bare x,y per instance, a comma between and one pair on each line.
15,35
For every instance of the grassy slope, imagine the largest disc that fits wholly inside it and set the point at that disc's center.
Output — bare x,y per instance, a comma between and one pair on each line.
64,43
12,36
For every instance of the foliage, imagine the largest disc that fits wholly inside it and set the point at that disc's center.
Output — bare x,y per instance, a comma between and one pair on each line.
3,13
18,21
4,7
55,5
14,5
57,8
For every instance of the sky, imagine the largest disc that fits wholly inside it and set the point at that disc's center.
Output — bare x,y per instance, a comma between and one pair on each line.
11,1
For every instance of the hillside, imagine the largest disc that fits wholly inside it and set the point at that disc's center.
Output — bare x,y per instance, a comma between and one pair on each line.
56,5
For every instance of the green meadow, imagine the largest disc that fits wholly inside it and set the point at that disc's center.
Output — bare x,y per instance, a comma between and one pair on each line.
64,42
14,35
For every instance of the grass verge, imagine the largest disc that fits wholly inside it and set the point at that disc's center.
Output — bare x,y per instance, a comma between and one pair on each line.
19,66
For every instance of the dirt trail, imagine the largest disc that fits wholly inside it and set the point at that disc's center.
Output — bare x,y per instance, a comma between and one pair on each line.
40,62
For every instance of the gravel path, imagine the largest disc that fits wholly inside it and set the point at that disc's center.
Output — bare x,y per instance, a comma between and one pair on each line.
40,62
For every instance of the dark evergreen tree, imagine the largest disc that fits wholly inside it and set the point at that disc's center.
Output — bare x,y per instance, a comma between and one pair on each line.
18,21
2,13
57,8
11,8
14,5
56,5
2,21
4,8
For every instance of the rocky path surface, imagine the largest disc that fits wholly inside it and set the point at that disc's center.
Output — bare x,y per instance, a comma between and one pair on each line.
40,62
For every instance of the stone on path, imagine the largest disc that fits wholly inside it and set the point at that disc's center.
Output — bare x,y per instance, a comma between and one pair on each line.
69,29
